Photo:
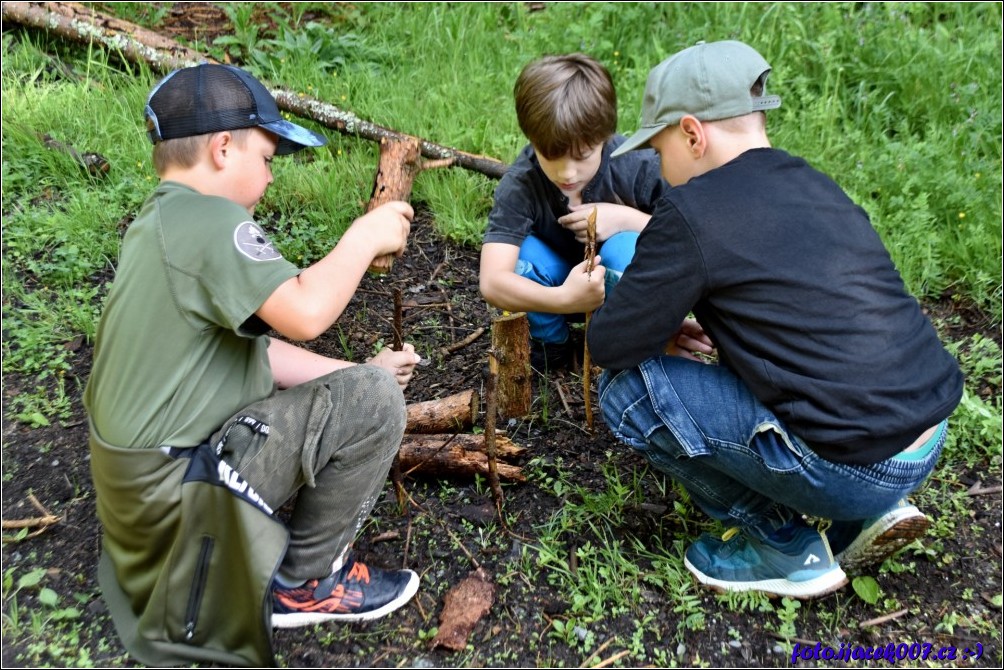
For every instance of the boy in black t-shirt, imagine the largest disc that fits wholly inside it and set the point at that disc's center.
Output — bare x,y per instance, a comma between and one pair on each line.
832,390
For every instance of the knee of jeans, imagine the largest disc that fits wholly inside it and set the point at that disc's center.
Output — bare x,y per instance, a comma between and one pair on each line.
629,418
618,250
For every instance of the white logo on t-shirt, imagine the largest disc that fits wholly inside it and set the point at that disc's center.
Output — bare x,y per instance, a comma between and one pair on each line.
251,241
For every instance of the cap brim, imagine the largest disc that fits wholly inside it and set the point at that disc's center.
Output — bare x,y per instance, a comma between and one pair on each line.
639,140
293,137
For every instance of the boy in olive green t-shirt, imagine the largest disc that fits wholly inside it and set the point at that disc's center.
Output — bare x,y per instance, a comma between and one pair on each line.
187,390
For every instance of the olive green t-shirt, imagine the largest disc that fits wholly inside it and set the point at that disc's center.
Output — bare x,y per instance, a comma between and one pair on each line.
175,355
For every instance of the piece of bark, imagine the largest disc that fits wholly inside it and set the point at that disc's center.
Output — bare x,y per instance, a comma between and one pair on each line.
78,23
454,413
463,607
399,163
511,350
455,455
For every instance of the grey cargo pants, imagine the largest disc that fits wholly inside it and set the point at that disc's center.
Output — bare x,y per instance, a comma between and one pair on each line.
332,440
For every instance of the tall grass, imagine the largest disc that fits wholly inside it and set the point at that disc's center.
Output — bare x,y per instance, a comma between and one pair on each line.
900,102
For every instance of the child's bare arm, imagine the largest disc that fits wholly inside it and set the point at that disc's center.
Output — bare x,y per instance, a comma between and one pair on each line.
610,220
306,305
292,365
503,288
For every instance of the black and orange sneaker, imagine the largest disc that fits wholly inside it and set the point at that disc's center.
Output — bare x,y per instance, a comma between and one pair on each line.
354,593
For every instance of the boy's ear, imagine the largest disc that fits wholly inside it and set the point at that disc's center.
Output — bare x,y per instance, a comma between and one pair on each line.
696,135
219,145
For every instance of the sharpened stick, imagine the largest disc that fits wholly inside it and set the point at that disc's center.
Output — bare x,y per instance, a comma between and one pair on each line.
586,363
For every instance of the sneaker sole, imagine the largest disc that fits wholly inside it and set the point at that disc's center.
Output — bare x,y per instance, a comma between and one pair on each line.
883,538
822,585
299,619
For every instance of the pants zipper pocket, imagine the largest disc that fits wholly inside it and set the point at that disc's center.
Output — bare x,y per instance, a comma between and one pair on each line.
198,587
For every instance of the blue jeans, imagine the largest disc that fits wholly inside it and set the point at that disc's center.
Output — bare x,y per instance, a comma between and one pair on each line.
700,424
540,263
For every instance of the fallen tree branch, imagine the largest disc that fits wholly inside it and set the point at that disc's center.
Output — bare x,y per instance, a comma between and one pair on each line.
464,456
455,412
42,523
78,23
978,489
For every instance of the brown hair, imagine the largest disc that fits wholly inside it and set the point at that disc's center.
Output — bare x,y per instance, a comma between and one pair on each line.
184,152
565,104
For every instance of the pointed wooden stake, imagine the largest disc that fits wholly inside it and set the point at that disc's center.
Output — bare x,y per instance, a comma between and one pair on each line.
587,365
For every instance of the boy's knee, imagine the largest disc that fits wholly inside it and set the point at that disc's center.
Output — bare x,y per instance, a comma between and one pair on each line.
381,394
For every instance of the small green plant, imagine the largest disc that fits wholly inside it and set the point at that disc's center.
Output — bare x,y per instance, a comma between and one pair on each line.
344,343
787,614
39,619
867,589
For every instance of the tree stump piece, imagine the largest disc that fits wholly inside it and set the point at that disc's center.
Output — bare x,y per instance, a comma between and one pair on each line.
511,348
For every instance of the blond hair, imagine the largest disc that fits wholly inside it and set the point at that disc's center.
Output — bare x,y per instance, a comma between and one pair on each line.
184,152
565,104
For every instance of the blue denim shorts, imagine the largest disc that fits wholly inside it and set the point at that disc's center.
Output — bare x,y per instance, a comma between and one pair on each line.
541,264
700,424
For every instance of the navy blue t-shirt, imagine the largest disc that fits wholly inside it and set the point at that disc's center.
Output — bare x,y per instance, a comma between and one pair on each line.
528,203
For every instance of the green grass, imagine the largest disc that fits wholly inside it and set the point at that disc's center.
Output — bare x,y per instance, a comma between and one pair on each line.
899,102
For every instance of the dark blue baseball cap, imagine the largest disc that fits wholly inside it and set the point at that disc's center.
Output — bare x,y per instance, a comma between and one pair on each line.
209,98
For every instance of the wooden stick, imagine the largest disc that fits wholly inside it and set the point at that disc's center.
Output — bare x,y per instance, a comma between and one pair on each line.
587,364
491,410
41,521
398,333
882,619
417,445
978,489
396,171
398,345
599,650
561,396
460,455
613,659
463,343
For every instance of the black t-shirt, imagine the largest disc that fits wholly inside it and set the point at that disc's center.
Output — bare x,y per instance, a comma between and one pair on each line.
527,202
800,296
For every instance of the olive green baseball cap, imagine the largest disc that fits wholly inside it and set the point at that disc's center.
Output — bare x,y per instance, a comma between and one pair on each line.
710,80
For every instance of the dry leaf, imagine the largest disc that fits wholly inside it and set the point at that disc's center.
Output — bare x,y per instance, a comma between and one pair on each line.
463,607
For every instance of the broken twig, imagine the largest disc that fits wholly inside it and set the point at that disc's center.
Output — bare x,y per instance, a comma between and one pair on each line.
445,351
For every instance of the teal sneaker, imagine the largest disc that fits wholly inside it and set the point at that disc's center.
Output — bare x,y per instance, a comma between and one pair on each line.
794,561
860,544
